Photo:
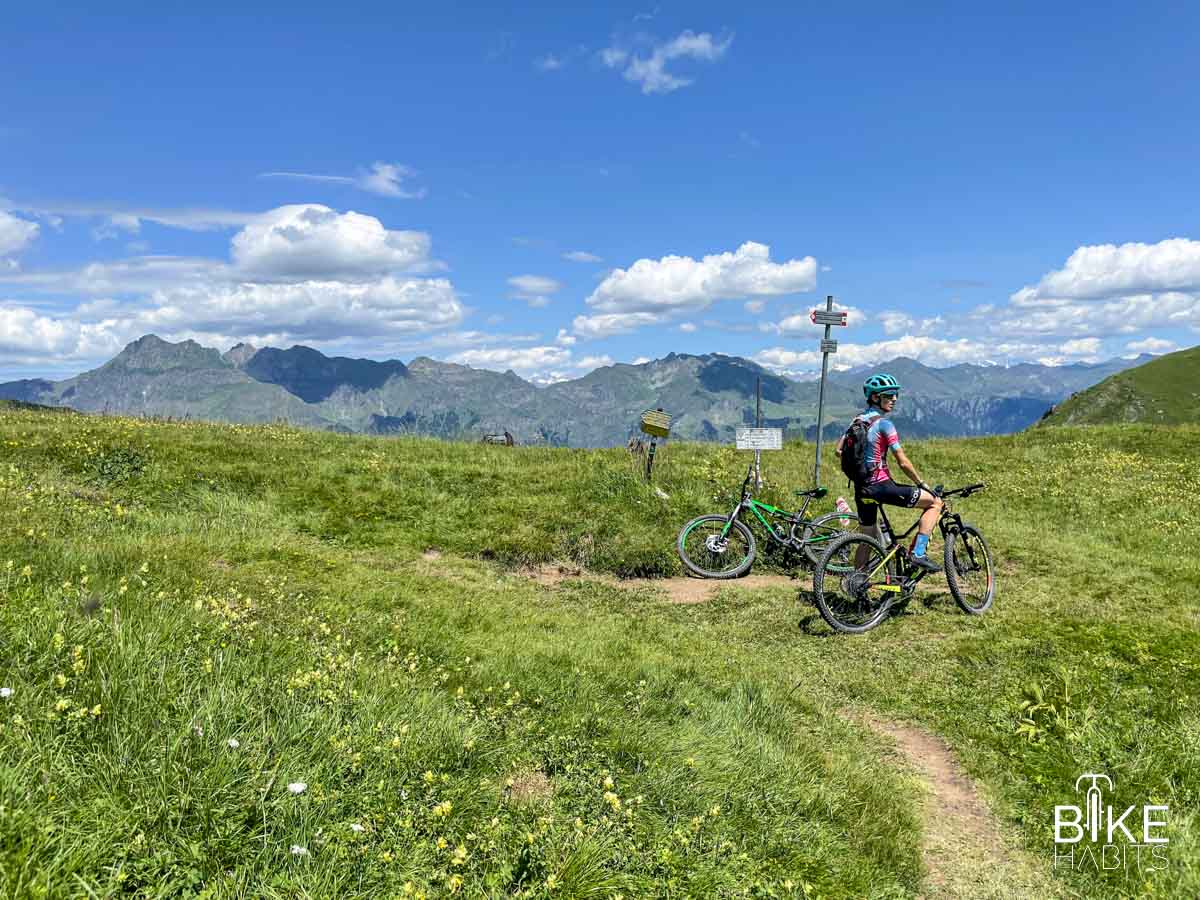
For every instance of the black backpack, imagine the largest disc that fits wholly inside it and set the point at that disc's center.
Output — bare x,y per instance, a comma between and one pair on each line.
854,451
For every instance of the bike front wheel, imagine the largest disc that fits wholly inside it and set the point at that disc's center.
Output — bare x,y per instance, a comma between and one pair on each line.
821,532
969,571
709,550
857,600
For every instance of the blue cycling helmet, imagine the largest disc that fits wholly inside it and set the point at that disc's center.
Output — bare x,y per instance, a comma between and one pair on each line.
880,383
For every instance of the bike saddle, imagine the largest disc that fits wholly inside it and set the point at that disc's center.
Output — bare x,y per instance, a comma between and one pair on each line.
815,493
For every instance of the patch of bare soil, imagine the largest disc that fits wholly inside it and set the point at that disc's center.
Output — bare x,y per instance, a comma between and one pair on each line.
677,590
530,787
964,850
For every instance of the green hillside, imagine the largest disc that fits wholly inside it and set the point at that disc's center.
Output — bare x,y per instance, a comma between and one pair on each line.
196,620
1164,391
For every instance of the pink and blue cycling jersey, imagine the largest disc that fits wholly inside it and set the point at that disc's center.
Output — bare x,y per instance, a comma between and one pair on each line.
881,437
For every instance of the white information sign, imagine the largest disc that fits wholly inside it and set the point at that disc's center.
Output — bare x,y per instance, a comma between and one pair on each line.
759,438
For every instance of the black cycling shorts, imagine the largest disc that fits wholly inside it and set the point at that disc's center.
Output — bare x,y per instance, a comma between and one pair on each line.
883,492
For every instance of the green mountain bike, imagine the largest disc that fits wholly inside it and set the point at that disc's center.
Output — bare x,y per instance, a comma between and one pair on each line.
723,546
881,575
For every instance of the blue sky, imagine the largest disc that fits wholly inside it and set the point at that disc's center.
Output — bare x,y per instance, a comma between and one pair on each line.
549,189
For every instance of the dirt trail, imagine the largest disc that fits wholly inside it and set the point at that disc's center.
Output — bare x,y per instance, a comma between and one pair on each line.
677,590
963,848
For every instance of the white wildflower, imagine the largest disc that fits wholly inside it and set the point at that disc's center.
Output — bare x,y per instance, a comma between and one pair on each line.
356,828
297,850
297,787
233,743
5,693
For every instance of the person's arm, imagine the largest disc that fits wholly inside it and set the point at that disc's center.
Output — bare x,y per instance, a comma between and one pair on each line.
840,443
909,469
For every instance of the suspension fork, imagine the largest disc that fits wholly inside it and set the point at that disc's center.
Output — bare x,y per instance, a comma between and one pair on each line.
733,515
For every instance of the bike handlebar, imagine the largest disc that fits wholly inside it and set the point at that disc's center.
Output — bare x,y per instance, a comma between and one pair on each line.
962,491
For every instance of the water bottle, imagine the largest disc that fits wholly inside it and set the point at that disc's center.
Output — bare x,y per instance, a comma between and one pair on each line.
842,506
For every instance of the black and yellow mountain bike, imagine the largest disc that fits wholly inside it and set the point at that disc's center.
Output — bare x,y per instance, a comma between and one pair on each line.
882,576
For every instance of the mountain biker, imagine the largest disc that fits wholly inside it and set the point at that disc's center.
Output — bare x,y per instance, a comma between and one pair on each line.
882,391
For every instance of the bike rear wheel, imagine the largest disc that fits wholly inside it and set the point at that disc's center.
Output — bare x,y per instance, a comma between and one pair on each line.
969,571
821,532
708,553
857,600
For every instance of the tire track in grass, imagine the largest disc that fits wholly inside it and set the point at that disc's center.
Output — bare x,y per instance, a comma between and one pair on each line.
963,846
682,590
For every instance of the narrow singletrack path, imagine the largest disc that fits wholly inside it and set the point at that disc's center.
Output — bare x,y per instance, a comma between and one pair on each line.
963,846
677,590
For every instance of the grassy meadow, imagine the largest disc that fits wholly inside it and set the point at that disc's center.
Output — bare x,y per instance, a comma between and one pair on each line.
235,669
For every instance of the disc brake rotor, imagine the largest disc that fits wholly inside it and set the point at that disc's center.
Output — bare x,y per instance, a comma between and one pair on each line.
714,543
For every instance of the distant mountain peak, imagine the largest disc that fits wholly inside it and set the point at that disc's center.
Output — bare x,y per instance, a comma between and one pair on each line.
152,353
239,354
312,376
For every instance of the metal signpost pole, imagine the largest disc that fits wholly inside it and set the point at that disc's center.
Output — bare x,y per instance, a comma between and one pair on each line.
821,397
758,424
828,318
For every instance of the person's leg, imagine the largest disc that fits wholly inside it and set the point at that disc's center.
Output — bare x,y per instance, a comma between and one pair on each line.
932,507
932,510
868,524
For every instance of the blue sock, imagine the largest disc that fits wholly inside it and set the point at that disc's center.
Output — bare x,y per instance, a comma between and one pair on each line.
921,545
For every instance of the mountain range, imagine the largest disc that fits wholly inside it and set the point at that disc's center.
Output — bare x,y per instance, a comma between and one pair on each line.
708,396
1164,391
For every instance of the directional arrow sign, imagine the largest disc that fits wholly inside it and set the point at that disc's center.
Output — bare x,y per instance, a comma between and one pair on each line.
827,317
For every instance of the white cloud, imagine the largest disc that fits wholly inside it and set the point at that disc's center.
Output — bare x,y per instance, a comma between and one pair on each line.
534,289
801,323
519,359
384,179
15,233
1107,270
755,306
308,310
588,363
541,365
301,273
314,241
681,283
1081,347
117,223
1152,345
187,219
581,256
651,71
549,63
126,276
687,327
1091,318
896,322
29,336
564,339
928,350
640,361
612,323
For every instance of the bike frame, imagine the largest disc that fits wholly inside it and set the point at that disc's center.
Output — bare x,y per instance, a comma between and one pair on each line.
949,522
759,508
